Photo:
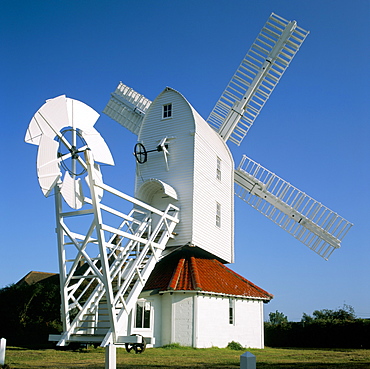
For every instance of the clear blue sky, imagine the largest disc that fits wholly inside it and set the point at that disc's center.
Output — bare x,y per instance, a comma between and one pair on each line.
314,131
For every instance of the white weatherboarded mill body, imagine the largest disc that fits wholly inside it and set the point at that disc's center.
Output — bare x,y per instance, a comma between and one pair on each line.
195,172
200,170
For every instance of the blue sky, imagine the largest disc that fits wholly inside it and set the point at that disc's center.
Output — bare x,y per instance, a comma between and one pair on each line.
313,132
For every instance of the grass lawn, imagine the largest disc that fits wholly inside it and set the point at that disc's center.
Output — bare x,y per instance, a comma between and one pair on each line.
171,358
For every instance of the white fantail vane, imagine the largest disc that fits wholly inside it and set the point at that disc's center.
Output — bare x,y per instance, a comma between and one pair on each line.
63,128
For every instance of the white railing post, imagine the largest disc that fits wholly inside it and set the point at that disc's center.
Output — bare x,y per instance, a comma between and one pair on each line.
2,351
110,357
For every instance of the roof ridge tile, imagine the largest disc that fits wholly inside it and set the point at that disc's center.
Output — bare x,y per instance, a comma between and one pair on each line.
195,274
176,274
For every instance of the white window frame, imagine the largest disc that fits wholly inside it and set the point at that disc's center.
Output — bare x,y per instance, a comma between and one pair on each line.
218,170
218,214
231,311
147,306
167,111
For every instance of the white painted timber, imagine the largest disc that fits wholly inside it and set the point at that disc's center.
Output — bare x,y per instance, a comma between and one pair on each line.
2,350
256,78
152,333
105,259
309,221
191,170
58,113
110,357
48,120
48,170
72,191
127,107
48,129
98,146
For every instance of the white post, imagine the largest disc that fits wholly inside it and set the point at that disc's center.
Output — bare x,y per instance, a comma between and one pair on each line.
2,351
110,357
247,361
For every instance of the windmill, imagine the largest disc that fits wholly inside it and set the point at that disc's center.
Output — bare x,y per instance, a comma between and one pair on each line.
306,219
185,178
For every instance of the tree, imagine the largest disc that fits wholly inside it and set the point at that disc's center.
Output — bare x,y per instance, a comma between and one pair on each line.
277,318
29,313
346,313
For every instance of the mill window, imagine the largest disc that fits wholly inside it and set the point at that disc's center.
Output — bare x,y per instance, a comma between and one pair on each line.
218,214
142,314
167,111
218,172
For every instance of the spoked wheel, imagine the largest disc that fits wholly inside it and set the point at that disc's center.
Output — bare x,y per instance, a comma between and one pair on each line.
71,148
140,153
137,347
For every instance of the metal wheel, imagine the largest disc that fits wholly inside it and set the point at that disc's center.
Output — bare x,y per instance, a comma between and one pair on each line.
71,148
140,153
137,347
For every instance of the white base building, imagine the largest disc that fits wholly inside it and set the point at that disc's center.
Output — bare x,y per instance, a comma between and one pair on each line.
197,301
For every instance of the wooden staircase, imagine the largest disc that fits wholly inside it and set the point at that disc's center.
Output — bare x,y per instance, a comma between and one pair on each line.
109,264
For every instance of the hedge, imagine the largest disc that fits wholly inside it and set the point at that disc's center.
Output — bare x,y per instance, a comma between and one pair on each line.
324,334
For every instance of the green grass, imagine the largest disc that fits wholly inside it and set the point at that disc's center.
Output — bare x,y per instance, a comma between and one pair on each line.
174,357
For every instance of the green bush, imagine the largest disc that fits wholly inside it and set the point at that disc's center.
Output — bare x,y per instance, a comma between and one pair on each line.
235,346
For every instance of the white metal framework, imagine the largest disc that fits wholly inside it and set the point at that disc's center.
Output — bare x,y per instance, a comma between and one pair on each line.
256,78
105,254
105,260
312,223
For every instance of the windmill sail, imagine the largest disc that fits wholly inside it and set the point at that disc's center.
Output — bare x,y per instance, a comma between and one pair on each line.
306,219
127,107
256,78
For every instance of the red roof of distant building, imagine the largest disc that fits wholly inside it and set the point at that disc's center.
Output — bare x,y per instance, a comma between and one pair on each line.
35,277
182,271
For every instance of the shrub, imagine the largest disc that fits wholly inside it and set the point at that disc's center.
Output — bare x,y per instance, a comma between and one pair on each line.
235,346
328,334
174,345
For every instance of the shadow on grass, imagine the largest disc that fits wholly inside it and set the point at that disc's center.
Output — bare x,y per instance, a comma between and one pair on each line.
178,359
260,365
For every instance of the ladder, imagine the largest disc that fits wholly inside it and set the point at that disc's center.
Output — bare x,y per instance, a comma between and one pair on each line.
104,267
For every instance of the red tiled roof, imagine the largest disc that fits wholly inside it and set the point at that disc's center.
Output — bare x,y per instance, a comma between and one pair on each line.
182,271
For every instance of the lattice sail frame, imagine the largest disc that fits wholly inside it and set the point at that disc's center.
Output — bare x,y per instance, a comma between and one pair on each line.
256,77
309,221
105,261
127,107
